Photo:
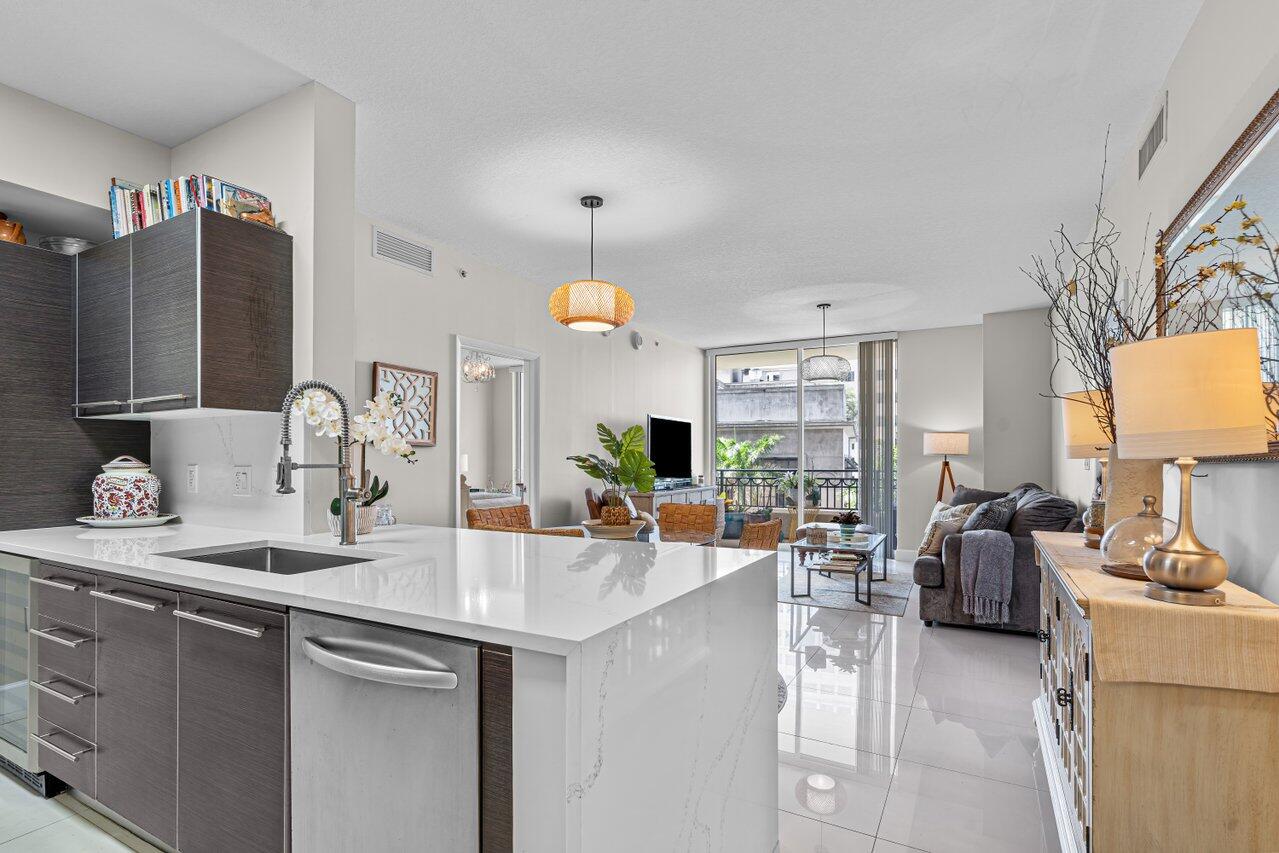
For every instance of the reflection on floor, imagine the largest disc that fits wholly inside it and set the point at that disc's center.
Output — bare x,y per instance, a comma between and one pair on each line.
897,737
61,825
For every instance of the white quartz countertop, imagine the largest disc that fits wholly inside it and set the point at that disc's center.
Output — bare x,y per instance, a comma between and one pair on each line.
544,593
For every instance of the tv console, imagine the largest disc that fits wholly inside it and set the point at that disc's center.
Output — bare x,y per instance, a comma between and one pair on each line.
650,501
666,484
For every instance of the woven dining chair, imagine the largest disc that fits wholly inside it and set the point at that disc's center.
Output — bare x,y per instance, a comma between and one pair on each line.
761,535
687,517
514,519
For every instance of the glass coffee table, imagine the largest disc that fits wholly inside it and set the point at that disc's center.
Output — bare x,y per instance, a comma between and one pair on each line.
815,552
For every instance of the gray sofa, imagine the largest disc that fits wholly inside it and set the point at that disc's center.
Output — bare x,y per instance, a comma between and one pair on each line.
940,596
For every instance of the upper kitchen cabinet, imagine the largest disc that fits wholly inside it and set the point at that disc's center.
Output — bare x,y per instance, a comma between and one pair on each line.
193,313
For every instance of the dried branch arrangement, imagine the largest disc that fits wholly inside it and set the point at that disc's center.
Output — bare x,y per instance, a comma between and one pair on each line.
1096,303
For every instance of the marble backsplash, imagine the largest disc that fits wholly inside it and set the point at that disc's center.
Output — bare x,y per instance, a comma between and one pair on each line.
218,445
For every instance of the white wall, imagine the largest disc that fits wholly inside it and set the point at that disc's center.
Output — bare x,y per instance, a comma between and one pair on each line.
940,381
67,154
1226,70
298,150
406,318
1017,417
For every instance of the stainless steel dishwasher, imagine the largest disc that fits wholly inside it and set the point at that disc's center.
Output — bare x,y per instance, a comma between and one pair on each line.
384,737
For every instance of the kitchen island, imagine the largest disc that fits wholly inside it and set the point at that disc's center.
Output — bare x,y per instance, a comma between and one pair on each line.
639,679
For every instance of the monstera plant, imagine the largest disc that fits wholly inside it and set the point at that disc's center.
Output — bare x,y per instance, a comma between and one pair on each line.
625,468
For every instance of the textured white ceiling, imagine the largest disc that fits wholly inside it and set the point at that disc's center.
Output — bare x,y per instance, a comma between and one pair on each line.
897,160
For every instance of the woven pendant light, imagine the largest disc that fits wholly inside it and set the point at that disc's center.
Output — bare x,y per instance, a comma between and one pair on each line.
825,368
589,304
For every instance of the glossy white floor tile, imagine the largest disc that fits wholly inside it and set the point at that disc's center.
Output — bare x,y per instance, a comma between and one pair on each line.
22,812
943,811
972,745
73,834
804,835
826,709
833,784
972,697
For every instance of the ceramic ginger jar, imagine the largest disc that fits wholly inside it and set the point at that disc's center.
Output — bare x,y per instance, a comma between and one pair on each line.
126,488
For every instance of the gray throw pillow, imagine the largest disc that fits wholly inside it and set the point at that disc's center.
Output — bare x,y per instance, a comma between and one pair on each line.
1041,510
966,495
992,515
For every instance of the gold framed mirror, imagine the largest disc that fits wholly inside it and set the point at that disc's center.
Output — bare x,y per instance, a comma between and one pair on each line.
1249,169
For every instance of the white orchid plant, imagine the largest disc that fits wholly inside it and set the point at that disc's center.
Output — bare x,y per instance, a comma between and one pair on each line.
375,425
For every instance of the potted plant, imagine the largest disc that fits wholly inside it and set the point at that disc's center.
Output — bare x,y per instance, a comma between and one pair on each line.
734,517
626,468
790,487
375,426
847,522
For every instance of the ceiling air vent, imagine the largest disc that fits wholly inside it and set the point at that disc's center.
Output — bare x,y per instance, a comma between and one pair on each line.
1154,138
397,250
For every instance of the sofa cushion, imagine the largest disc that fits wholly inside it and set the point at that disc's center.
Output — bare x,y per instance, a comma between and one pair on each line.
1041,510
928,571
992,515
966,495
944,520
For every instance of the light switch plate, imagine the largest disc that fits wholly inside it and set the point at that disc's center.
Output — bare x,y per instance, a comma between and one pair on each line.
243,481
193,479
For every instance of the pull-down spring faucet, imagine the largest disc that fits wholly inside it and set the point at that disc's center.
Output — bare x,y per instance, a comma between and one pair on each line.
348,494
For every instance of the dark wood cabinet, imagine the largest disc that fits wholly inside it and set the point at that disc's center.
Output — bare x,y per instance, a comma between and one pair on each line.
233,731
203,306
166,325
46,483
102,318
137,703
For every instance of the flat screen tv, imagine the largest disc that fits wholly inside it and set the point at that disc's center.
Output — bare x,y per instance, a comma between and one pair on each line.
670,446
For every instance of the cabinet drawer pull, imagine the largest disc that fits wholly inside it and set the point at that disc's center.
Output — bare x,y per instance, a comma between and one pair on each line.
69,756
162,398
70,699
98,403
1064,696
367,659
61,641
1042,635
196,616
139,601
66,586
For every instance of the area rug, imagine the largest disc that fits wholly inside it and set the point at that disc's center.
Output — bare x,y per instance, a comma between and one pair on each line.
890,596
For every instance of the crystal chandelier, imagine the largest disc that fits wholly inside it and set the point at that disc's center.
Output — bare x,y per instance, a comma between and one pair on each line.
825,368
476,367
591,305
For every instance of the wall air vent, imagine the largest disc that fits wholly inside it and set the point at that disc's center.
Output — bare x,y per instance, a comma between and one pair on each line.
406,253
1154,138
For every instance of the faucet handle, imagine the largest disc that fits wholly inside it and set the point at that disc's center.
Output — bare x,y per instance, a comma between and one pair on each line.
284,476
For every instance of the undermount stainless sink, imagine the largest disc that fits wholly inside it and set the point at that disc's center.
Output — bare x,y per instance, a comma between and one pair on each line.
273,559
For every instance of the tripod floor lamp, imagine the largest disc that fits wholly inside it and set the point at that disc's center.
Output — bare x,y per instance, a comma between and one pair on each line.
945,445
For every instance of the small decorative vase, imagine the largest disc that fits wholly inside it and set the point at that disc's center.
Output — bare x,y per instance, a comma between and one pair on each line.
365,521
126,488
1094,520
615,516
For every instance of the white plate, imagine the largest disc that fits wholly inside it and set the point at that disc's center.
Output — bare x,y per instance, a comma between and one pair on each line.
150,521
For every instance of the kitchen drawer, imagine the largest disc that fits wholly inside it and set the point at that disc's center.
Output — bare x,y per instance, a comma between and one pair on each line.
66,704
63,594
69,758
65,649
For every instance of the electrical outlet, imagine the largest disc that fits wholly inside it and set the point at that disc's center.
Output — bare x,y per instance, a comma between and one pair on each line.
1087,464
243,480
193,479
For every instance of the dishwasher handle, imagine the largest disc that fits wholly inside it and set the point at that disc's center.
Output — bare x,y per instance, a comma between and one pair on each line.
367,659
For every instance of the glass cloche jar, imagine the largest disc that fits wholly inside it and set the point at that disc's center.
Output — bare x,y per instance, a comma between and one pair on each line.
1128,539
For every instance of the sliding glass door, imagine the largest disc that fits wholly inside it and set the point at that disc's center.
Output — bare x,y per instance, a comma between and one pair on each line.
795,449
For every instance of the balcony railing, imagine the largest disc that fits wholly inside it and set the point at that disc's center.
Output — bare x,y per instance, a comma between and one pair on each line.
761,487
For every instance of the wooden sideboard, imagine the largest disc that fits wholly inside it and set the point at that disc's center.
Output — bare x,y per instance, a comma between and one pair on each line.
1158,723
649,501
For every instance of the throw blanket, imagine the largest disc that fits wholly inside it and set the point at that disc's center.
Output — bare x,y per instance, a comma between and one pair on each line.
986,574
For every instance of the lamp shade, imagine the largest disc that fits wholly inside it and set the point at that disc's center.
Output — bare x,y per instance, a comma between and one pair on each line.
1189,395
1085,439
945,444
591,305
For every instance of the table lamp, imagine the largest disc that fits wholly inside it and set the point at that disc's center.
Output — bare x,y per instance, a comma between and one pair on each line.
1186,396
945,445
1085,439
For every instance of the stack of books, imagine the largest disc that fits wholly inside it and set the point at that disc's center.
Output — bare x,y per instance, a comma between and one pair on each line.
134,207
